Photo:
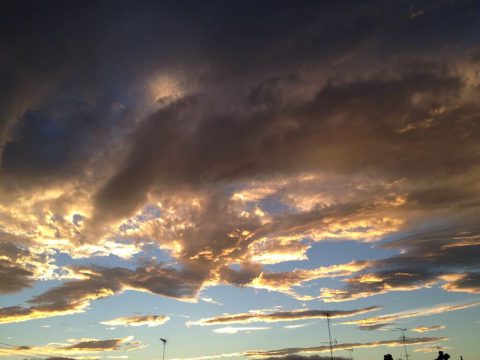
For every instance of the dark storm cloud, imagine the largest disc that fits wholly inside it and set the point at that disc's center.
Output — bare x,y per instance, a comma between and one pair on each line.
348,127
336,88
49,51
58,140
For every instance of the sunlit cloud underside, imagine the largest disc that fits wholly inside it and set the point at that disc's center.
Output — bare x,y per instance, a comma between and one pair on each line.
239,176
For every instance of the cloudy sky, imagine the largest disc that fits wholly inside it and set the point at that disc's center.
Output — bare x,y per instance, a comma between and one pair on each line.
228,174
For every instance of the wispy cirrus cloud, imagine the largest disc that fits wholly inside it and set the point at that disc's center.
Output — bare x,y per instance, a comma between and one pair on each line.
344,346
430,349
295,326
377,326
304,357
387,319
292,315
422,329
138,320
235,330
319,349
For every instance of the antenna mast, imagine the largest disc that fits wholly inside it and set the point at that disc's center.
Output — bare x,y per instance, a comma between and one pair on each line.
330,336
350,351
164,345
404,342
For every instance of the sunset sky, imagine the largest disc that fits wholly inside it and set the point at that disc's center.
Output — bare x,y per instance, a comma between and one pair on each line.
227,174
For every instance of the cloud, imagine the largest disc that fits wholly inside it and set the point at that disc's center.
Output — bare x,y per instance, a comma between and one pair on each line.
281,353
295,326
437,309
75,296
234,330
78,347
138,320
210,300
344,346
230,152
200,153
96,345
422,329
284,281
371,327
427,259
468,282
14,278
369,284
292,315
21,266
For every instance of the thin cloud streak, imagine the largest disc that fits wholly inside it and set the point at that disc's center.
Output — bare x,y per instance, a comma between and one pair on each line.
319,349
138,320
293,315
79,347
434,310
422,329
235,330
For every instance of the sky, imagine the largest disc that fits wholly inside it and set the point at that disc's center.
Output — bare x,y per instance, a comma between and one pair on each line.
235,176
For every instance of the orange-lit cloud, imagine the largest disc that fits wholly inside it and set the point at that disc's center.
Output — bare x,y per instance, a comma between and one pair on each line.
237,185
77,347
438,309
75,296
292,315
468,282
422,329
344,346
284,281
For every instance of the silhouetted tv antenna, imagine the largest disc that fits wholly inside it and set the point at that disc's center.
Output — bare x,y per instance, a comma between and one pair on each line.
350,351
330,336
164,346
404,340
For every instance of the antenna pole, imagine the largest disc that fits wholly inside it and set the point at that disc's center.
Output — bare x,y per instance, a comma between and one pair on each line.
404,342
330,336
164,345
350,351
